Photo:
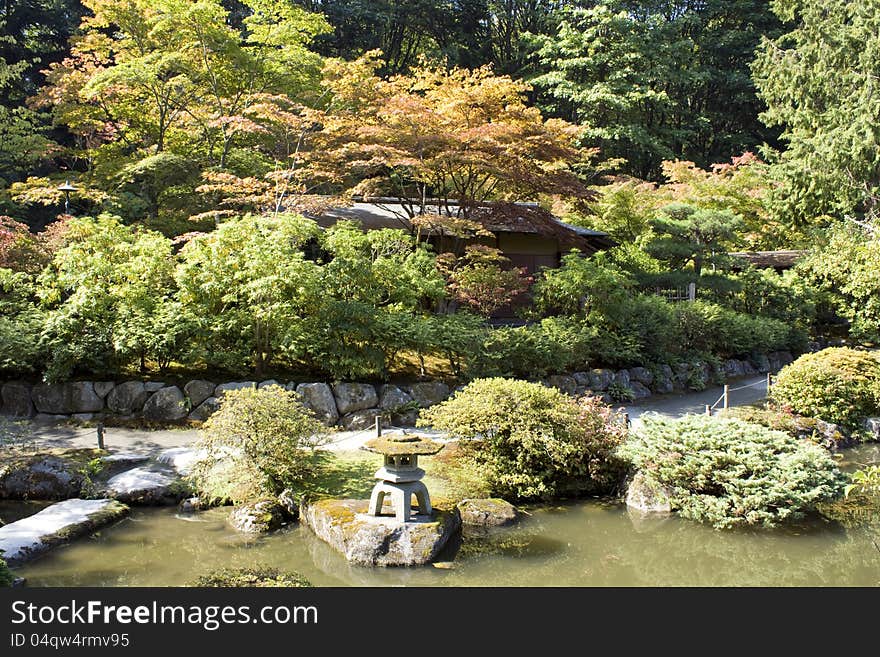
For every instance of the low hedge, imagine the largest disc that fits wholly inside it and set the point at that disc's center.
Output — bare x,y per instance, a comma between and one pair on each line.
729,473
838,384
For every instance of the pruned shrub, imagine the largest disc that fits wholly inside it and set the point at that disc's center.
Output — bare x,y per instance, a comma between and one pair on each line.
257,443
529,441
729,473
838,385
256,577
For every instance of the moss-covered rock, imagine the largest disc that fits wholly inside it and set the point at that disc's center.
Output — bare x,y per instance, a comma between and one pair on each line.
257,577
49,475
258,517
646,495
6,577
488,512
379,541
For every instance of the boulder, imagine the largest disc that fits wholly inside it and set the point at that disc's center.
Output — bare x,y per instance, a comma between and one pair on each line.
872,426
664,382
146,485
154,386
639,390
360,420
166,405
59,398
622,378
127,398
600,379
117,462
267,383
400,404
40,477
761,363
489,512
54,525
258,517
103,388
204,410
391,397
733,368
648,496
563,383
235,385
352,397
428,393
380,541
319,398
198,391
16,398
288,500
582,379
180,459
642,375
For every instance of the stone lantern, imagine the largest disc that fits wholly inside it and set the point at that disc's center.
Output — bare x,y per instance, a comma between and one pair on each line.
400,477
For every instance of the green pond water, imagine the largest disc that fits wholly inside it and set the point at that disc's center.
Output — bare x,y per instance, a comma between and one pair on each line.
588,543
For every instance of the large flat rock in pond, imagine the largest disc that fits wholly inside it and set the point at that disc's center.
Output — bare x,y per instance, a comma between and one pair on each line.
56,524
379,541
152,485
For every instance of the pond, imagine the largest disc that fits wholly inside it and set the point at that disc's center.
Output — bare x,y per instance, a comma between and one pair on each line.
588,543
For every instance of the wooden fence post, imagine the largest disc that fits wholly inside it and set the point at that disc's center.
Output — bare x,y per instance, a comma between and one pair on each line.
378,426
708,410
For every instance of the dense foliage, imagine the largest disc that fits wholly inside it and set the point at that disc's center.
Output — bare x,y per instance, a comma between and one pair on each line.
838,385
532,442
5,576
729,473
256,577
257,444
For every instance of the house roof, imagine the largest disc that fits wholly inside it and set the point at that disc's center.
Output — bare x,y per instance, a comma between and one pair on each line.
782,259
527,218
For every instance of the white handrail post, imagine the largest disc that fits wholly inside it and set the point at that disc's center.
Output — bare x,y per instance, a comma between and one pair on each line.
726,396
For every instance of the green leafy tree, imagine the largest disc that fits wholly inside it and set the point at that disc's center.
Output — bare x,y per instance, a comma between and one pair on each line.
256,445
657,80
847,269
246,288
685,235
530,441
103,291
819,83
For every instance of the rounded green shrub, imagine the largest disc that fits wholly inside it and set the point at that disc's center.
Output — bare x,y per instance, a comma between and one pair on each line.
5,575
258,577
838,385
529,441
257,444
729,473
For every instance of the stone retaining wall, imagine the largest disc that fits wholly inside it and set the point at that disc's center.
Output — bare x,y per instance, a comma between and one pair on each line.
348,405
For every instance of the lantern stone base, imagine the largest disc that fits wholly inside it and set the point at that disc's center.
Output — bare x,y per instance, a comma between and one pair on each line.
380,540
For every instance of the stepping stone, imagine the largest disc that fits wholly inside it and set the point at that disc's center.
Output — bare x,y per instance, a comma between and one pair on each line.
59,523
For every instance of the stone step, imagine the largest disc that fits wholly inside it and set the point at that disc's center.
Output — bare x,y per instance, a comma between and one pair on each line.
56,524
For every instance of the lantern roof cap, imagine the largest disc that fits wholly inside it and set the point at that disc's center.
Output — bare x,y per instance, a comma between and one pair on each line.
399,443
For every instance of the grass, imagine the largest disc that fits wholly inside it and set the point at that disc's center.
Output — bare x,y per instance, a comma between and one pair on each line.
349,474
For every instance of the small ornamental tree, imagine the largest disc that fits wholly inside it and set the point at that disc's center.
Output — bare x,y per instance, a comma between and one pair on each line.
481,281
839,385
257,444
729,473
532,442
